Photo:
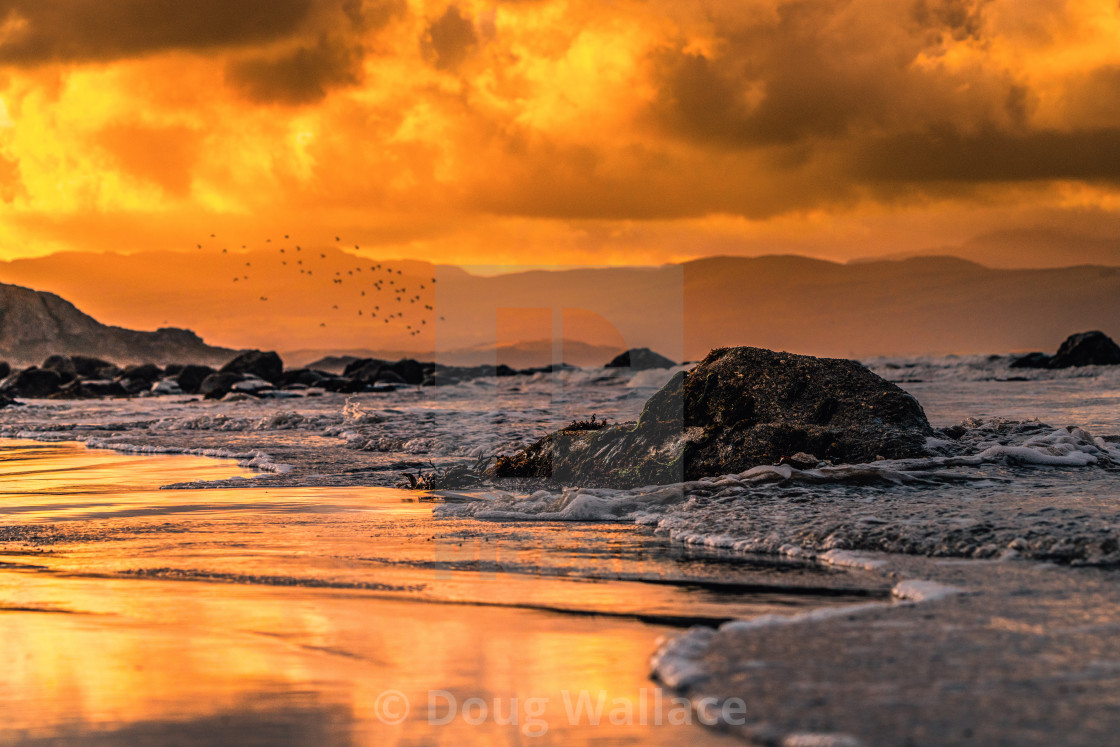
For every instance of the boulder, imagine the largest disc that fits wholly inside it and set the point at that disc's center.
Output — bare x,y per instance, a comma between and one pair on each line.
5,369
266,365
91,368
172,370
218,385
1087,349
191,376
61,365
145,372
36,382
738,409
640,359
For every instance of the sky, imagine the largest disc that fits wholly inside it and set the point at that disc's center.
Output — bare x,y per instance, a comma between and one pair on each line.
526,132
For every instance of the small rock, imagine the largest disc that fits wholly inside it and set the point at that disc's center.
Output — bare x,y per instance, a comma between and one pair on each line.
801,460
191,376
251,385
36,383
640,359
265,365
218,385
166,386
145,372
90,368
1032,360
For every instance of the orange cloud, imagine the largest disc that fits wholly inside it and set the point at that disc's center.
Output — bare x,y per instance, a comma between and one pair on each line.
487,132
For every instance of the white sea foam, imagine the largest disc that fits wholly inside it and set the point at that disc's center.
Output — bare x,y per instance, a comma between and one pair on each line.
915,590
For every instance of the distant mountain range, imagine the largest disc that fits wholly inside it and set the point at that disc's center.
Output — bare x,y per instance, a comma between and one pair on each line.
933,305
1030,249
35,324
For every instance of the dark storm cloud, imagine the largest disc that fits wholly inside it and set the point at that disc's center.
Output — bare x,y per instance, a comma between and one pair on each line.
86,30
868,105
783,80
992,157
449,39
302,76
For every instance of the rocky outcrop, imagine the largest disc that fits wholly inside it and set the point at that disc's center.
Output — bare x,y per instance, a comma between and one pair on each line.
739,408
640,359
1083,349
34,325
266,365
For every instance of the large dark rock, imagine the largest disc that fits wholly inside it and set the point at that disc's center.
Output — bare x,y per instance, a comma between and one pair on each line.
739,408
36,382
266,365
218,385
1082,349
191,376
5,369
640,359
1087,349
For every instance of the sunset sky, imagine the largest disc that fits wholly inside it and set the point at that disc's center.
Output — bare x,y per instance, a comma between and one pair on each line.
556,131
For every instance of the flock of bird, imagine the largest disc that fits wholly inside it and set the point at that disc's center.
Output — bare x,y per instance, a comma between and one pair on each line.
374,285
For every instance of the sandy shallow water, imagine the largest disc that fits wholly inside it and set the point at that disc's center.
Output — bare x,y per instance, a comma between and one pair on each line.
324,615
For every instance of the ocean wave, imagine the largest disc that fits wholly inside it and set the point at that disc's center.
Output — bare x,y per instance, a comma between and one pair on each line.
928,505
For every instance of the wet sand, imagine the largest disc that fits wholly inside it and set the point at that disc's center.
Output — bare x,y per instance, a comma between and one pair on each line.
129,614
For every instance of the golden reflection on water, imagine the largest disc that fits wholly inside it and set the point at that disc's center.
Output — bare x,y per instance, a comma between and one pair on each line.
91,655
